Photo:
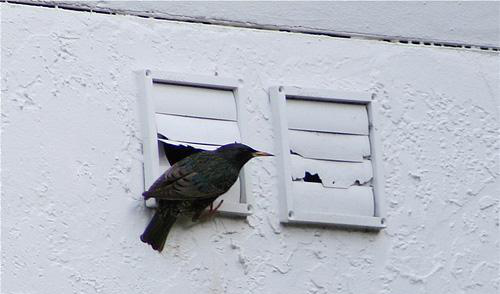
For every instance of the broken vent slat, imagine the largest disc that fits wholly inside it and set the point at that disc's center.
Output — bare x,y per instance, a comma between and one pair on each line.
329,163
333,174
193,101
313,198
330,117
194,145
183,114
197,130
342,147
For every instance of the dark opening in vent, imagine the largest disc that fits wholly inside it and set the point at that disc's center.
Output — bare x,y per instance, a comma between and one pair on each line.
175,153
312,178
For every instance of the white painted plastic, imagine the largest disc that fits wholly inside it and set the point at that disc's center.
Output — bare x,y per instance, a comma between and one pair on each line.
192,101
337,112
196,130
376,154
356,200
326,95
317,145
195,126
282,153
334,174
194,145
148,131
327,116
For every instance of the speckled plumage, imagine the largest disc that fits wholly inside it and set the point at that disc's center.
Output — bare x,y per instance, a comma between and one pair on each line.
191,185
201,175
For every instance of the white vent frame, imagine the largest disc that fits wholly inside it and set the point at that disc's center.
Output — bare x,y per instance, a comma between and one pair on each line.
287,211
146,79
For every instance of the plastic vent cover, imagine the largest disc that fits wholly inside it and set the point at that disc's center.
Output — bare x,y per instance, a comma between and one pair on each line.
189,110
329,170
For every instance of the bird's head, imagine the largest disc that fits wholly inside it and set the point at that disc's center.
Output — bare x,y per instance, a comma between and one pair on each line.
239,154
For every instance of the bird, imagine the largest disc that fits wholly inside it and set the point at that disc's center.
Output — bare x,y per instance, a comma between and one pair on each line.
191,185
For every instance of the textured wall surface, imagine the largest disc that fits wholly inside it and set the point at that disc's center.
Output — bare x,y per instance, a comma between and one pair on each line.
475,22
72,163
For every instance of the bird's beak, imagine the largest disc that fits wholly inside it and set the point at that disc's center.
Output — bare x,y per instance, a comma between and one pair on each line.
261,153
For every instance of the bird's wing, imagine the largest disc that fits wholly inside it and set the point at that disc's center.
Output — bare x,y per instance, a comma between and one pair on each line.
182,182
185,188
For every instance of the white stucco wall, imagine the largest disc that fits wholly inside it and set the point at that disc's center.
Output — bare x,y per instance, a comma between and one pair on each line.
71,208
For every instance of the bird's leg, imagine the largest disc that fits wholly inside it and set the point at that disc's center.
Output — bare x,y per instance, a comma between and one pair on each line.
212,210
210,213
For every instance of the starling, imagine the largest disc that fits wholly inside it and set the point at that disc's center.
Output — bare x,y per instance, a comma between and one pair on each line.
191,185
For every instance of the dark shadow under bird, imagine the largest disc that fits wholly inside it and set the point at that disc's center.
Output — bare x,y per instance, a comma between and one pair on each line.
191,185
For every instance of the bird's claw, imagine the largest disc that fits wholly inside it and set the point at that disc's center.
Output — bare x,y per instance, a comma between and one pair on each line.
213,210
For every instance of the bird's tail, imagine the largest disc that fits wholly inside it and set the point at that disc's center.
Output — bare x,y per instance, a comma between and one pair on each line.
157,231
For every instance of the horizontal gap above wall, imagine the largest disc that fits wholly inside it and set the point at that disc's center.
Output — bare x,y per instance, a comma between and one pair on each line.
77,6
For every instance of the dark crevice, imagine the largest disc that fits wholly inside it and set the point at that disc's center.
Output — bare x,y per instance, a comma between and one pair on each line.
75,8
31,4
312,178
330,35
364,184
451,45
174,153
